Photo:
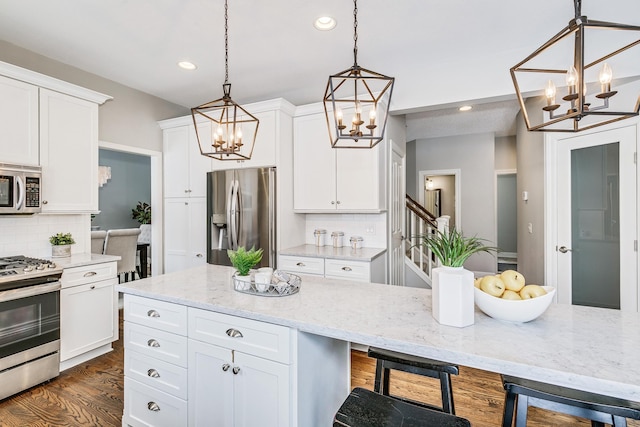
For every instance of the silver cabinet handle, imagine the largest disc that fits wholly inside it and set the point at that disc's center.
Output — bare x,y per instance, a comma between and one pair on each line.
153,313
301,264
564,249
44,202
226,367
153,343
346,268
199,255
338,202
153,406
92,287
236,369
153,373
234,333
333,202
90,273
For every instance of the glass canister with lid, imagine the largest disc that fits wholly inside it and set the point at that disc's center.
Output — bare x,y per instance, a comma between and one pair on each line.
337,238
356,242
319,236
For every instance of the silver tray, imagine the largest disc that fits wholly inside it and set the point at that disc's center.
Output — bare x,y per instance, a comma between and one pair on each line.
277,288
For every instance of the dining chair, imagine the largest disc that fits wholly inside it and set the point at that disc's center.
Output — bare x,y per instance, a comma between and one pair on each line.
97,241
124,243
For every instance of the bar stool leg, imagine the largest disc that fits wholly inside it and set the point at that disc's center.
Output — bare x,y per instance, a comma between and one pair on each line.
446,392
619,421
522,407
509,407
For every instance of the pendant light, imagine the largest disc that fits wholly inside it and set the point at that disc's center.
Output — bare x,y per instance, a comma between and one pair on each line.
356,102
228,131
578,90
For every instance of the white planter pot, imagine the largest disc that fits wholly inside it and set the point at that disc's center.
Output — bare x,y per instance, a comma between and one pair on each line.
60,251
145,233
452,296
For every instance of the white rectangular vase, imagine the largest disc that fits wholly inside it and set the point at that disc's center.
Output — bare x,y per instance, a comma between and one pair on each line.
452,296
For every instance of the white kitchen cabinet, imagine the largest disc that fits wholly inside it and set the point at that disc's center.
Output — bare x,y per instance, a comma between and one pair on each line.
18,122
88,312
328,179
356,270
185,233
185,169
68,153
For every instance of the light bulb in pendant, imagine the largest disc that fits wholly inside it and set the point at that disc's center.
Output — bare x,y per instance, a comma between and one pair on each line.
550,93
605,77
572,79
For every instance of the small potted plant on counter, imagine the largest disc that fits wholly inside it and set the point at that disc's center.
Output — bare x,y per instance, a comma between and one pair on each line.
452,290
61,244
142,214
244,261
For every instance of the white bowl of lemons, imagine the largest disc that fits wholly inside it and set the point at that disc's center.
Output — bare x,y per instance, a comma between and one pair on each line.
507,297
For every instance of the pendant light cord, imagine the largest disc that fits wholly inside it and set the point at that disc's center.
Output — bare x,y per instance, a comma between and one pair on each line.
355,33
226,43
577,4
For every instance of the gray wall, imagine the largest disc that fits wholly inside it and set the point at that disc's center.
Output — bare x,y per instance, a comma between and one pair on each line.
506,152
412,172
130,182
129,119
474,156
507,215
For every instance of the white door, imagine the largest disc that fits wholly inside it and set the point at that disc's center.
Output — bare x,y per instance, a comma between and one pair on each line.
397,217
597,220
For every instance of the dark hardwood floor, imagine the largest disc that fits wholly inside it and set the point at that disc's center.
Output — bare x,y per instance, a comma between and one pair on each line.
91,394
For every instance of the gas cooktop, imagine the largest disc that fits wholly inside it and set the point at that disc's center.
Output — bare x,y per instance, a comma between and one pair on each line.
18,268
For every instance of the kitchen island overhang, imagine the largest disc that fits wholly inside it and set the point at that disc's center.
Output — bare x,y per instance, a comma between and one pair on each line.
585,348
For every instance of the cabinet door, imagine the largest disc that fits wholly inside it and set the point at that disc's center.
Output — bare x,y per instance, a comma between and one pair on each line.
210,386
314,167
261,392
176,162
18,122
68,153
358,179
176,234
88,317
199,165
197,231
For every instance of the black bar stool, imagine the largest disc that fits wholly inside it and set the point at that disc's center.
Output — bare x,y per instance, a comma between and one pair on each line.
521,393
387,360
364,408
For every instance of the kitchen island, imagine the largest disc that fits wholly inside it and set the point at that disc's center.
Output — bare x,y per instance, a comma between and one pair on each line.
572,346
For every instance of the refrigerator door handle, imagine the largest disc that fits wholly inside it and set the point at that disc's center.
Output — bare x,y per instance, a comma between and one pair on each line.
230,213
239,213
235,213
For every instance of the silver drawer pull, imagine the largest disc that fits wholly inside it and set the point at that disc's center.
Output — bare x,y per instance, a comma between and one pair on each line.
301,264
153,373
346,268
153,406
153,343
236,369
92,287
153,313
226,367
234,333
90,273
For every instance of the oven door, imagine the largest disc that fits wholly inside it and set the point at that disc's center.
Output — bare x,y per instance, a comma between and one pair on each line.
29,318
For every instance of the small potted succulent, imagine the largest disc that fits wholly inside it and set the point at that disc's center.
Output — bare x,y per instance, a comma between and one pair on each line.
61,244
244,261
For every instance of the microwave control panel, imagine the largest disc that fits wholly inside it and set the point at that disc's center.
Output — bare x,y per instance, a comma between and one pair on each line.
32,190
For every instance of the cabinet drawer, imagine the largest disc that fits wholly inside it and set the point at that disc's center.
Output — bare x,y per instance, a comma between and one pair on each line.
352,270
256,338
156,373
156,314
144,406
162,345
305,265
75,276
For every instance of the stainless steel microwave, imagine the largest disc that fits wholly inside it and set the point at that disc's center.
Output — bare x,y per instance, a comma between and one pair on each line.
20,189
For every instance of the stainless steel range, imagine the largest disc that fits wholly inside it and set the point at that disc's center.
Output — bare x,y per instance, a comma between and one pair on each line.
29,323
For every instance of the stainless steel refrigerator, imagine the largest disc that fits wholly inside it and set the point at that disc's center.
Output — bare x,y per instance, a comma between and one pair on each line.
241,211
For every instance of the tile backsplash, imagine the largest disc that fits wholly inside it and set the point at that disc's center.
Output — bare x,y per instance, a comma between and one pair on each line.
371,227
29,234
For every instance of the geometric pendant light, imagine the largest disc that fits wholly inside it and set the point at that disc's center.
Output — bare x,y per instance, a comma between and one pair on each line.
356,102
574,73
228,131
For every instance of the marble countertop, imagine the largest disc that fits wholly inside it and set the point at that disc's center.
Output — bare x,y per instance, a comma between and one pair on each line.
329,252
586,348
79,260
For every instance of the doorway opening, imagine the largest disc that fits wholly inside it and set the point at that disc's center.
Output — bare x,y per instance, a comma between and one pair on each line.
507,219
438,193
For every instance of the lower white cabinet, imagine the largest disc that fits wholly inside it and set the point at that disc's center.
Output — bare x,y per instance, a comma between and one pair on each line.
360,271
88,312
185,233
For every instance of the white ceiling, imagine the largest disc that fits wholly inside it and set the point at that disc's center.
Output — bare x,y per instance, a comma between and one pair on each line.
441,52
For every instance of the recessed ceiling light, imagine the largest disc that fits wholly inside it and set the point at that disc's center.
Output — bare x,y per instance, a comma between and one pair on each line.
187,65
324,23
465,108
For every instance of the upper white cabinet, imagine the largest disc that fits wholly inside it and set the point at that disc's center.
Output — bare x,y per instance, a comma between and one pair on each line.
328,179
18,122
185,169
68,153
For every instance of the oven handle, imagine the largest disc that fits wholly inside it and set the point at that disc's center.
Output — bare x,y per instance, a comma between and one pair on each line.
29,291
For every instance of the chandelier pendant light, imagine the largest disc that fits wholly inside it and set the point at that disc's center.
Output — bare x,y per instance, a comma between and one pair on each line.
361,94
577,90
224,129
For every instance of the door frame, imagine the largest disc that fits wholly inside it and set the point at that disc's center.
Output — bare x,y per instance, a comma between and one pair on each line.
458,181
551,139
157,265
